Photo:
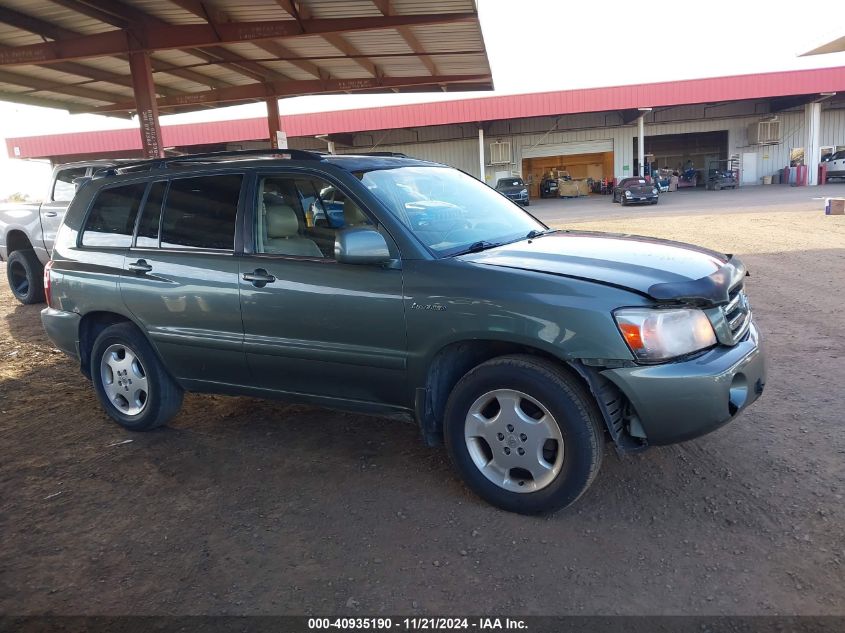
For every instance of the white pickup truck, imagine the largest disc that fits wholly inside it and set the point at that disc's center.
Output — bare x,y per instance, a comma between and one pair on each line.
27,231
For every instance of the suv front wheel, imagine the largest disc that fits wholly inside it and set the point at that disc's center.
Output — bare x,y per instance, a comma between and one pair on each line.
131,383
524,434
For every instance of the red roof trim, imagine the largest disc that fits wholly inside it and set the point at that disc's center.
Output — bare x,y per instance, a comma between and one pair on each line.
691,91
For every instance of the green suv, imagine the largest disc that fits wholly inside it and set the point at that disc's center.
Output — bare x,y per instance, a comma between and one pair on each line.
384,284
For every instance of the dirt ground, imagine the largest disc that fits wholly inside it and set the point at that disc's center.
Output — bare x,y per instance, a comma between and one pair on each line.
250,507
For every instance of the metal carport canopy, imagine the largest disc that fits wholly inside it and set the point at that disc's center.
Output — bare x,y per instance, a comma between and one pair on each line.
121,57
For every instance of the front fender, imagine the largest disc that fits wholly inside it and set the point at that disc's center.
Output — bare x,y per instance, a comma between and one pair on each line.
449,301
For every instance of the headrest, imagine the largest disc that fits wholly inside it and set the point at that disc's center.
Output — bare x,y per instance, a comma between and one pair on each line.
352,214
281,221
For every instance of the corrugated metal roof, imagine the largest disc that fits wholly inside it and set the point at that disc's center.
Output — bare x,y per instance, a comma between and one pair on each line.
327,40
694,91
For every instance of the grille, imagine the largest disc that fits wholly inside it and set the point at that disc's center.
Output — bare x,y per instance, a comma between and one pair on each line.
737,313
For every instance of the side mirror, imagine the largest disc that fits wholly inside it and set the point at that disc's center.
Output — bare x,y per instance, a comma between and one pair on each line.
360,245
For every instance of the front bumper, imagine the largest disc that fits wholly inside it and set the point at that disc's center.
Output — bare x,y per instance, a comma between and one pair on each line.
63,329
641,199
679,401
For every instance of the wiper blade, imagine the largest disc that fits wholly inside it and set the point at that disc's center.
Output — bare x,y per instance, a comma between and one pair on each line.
477,247
535,233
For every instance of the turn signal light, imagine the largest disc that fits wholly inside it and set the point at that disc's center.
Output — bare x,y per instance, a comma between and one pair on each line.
632,335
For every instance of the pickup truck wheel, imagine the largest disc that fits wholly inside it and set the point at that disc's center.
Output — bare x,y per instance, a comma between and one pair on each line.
26,276
524,435
131,383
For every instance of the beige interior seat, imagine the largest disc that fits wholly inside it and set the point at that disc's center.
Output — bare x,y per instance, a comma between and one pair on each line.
352,214
283,234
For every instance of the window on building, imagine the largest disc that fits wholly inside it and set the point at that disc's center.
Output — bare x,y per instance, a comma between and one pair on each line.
200,212
112,217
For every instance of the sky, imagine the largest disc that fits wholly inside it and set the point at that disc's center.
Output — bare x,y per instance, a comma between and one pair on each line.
540,45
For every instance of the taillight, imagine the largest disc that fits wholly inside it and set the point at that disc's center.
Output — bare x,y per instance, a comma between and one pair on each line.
47,288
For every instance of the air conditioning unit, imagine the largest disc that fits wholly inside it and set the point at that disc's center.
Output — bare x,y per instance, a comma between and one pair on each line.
500,153
764,132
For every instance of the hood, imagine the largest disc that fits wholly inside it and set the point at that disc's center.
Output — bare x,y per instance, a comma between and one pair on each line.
660,269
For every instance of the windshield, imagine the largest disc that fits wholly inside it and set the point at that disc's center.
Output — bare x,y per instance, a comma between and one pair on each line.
510,182
448,210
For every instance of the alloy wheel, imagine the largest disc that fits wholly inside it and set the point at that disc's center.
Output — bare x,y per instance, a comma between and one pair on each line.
514,440
124,379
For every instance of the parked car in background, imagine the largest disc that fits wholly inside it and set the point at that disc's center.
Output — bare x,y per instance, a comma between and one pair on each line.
718,179
835,165
548,188
515,189
438,300
27,231
635,191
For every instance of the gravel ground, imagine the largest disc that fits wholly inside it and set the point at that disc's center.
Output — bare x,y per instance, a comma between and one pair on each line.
250,507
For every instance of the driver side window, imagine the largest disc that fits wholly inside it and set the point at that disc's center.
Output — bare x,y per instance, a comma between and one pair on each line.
299,217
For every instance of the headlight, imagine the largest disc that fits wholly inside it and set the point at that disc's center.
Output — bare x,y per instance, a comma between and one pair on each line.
524,192
655,335
654,191
628,194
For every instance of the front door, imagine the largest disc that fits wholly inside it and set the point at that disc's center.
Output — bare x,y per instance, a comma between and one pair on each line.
749,168
312,325
181,279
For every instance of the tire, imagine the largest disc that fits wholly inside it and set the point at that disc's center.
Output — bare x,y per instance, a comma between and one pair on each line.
717,187
562,416
654,201
624,201
527,203
26,276
162,397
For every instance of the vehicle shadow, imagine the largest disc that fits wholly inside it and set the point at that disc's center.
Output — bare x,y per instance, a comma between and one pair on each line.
23,322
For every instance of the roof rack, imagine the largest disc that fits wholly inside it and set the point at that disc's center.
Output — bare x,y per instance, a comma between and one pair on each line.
163,163
393,154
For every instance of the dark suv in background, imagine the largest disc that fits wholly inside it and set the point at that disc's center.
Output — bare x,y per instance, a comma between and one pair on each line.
515,189
391,285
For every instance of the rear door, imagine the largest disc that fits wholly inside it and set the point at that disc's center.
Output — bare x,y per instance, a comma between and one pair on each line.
181,278
53,210
313,325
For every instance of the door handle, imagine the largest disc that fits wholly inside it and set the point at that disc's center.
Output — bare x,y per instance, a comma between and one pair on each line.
50,214
259,278
141,266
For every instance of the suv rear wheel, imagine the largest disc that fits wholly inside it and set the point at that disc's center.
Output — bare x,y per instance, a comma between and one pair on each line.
26,276
524,434
131,383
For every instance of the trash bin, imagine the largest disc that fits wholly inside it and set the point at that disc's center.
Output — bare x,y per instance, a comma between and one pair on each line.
776,178
767,180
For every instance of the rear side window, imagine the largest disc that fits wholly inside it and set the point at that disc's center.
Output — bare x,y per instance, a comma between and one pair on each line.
200,212
112,216
63,188
151,216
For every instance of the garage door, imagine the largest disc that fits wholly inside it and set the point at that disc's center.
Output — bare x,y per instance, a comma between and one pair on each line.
567,149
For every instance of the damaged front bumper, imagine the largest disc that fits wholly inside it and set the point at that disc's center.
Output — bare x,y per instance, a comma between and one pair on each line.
674,402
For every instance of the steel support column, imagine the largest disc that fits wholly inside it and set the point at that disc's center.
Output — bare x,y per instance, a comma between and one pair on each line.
641,145
481,174
273,121
812,143
146,104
